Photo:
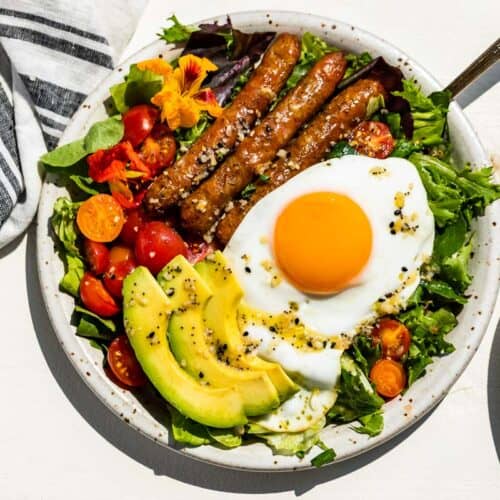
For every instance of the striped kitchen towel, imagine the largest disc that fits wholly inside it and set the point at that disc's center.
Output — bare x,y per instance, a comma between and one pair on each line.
52,54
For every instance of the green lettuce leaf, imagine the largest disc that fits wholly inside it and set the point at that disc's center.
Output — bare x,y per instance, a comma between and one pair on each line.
356,397
371,424
294,443
224,437
455,267
187,431
138,88
355,62
64,227
178,32
327,456
428,330
74,267
428,113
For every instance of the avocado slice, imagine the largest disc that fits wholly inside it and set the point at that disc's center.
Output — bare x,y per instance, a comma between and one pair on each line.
145,315
198,352
220,317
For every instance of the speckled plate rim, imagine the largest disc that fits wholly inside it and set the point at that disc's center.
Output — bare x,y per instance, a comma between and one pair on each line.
400,413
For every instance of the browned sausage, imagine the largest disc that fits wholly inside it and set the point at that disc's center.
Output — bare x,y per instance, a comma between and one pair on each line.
202,208
339,117
234,123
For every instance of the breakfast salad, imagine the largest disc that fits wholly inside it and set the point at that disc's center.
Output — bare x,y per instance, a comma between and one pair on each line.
270,231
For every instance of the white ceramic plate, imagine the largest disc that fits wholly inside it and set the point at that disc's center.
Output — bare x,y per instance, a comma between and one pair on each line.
148,414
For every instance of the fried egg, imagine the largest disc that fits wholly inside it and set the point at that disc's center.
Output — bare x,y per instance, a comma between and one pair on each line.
319,259
339,244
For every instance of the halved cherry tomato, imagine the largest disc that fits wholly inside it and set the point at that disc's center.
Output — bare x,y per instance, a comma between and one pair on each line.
389,377
135,220
124,364
157,244
138,122
100,218
96,255
121,263
158,150
198,251
372,139
96,298
394,338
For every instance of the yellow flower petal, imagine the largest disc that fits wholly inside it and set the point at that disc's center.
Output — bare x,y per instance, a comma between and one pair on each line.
189,112
192,71
206,101
169,102
157,65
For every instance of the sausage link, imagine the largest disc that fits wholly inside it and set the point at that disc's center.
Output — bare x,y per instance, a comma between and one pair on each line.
202,208
338,118
234,123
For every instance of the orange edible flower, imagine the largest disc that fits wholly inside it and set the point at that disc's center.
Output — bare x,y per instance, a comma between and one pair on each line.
181,100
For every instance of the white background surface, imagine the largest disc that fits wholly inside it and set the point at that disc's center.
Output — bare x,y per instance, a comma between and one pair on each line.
57,441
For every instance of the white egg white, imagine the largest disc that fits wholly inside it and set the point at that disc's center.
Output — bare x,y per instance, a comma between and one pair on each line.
393,266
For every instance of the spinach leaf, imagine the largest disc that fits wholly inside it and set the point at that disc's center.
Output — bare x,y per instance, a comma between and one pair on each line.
91,325
138,88
178,32
104,134
86,184
101,135
66,155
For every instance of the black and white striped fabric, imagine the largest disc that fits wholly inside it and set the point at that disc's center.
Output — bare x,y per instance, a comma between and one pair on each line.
52,54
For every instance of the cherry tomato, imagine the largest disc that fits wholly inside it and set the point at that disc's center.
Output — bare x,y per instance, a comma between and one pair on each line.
120,253
96,298
100,218
372,139
138,122
394,338
389,377
198,251
157,244
96,255
158,151
115,274
124,364
134,221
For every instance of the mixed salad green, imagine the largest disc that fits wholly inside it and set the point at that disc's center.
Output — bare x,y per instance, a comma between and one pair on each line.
417,123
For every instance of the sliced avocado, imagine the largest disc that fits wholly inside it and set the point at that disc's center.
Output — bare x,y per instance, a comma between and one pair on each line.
146,312
220,317
195,349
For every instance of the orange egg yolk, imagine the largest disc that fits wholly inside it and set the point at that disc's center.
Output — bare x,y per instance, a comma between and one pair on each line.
322,240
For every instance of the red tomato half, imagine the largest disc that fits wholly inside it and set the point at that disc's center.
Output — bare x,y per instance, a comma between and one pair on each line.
157,244
124,364
135,219
115,274
158,150
372,139
138,122
96,255
96,298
